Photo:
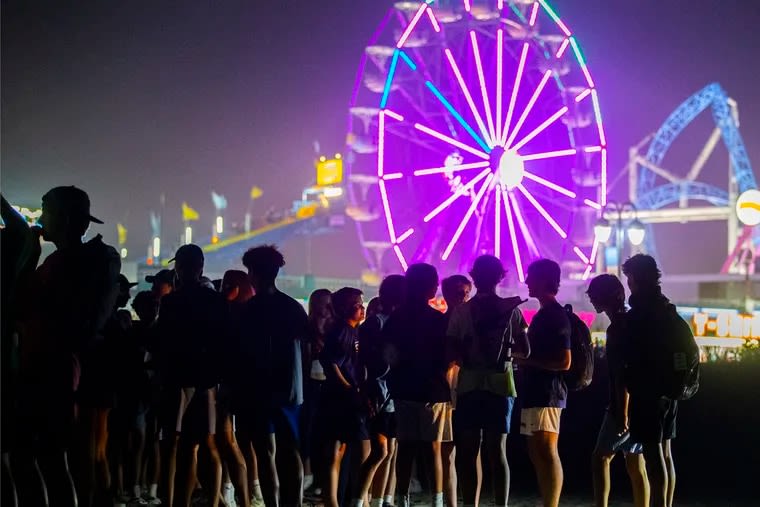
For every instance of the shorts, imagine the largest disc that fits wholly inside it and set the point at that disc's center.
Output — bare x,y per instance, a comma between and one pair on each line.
483,410
280,420
384,424
423,422
610,442
537,419
342,424
190,412
652,420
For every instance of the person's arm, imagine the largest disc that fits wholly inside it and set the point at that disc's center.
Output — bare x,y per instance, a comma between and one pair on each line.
335,369
559,363
520,343
621,395
454,338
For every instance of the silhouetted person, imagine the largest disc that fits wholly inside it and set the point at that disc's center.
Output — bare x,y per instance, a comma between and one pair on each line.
652,418
416,335
486,332
544,394
607,295
269,369
162,283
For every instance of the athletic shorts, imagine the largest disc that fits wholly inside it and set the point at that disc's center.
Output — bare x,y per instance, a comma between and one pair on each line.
280,420
610,442
652,420
423,422
384,424
536,419
483,410
189,411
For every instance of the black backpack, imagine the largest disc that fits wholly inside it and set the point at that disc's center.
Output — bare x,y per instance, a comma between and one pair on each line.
678,359
582,353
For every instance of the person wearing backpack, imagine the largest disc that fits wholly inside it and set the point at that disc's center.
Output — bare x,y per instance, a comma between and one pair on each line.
607,295
654,327
484,334
544,394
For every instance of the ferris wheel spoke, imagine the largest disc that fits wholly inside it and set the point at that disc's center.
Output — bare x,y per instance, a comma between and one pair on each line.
525,140
456,195
528,107
542,211
468,97
527,236
481,77
499,72
513,97
513,236
497,223
412,24
580,254
453,168
549,154
457,116
451,141
467,216
549,184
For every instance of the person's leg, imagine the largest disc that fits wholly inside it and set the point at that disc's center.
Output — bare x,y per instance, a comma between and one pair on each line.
136,457
289,457
54,468
404,461
188,466
334,452
657,474
670,469
378,454
382,475
390,487
168,461
437,473
236,463
468,448
102,469
496,450
215,471
448,462
600,473
634,464
542,448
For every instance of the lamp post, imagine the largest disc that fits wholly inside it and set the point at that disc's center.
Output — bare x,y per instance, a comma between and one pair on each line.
632,226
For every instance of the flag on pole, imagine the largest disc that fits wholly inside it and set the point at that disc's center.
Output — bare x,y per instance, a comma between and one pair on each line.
189,213
256,192
220,202
122,232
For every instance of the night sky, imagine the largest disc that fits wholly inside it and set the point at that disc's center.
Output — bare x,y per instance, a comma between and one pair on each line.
129,100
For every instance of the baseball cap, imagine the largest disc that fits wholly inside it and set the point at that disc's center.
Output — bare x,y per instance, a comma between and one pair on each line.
124,282
69,200
163,276
188,253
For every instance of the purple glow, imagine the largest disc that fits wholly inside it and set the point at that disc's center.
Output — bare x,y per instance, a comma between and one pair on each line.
404,236
598,115
594,250
513,238
499,72
500,5
549,184
400,256
513,98
581,61
387,209
562,48
497,225
481,77
549,154
468,97
604,177
466,217
456,195
528,107
394,115
434,21
541,210
523,226
525,140
533,14
592,149
586,273
592,204
451,141
580,255
585,93
411,25
554,16
393,176
380,142
453,168
467,6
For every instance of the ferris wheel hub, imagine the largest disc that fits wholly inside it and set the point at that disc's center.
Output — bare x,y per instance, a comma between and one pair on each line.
508,167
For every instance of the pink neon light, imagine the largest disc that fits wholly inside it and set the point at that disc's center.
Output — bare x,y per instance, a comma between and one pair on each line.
556,19
604,177
411,25
434,21
594,250
523,226
533,14
529,107
592,149
394,115
586,273
513,238
400,256
468,97
393,176
453,168
451,141
549,184
387,209
380,142
481,77
562,48
540,128
549,154
467,6
406,234
466,218
500,5
585,93
456,195
598,115
580,255
513,98
541,210
499,72
592,204
497,225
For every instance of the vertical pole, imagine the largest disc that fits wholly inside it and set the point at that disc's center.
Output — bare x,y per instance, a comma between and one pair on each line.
619,238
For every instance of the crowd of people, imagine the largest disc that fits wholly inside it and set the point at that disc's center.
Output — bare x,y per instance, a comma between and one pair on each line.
236,395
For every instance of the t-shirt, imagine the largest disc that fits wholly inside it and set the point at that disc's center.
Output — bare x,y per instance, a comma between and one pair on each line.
341,348
371,346
267,350
549,336
416,335
192,326
615,352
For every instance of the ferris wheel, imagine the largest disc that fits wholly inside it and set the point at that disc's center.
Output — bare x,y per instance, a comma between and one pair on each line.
474,127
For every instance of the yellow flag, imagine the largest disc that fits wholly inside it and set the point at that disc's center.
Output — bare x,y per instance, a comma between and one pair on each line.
122,231
256,192
189,213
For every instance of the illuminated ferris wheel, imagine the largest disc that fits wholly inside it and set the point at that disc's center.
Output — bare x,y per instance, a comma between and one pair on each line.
475,127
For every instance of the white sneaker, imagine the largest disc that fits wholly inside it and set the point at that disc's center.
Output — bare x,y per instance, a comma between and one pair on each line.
136,501
228,495
308,480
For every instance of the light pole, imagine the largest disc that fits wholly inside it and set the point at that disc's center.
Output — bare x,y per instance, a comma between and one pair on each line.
622,218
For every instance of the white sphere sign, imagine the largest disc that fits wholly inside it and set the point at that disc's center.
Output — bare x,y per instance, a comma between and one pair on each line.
748,207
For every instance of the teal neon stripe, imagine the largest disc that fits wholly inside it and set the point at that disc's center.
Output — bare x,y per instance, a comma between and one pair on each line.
389,79
408,61
458,116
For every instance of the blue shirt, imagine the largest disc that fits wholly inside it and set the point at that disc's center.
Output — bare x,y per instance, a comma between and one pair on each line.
549,337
